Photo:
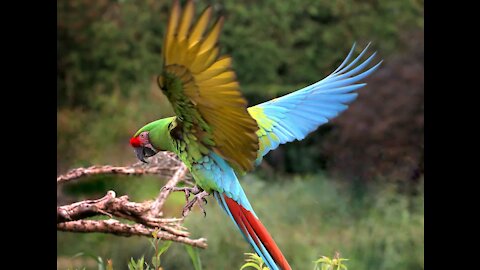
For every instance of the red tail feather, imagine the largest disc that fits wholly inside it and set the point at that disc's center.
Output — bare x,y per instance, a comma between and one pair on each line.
252,226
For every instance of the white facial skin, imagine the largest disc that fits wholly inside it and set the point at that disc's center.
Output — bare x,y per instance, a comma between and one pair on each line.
143,137
146,149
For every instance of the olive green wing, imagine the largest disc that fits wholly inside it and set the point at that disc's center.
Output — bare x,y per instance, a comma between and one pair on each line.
202,88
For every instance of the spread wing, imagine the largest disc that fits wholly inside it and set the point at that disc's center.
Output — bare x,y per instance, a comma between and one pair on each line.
203,90
295,115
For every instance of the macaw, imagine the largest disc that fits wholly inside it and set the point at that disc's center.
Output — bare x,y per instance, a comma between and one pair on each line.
217,136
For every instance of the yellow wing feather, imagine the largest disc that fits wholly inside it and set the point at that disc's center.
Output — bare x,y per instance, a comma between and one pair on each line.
209,98
200,27
171,28
187,18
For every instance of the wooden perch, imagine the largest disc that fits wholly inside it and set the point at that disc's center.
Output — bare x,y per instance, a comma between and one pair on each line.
115,227
164,164
162,197
147,215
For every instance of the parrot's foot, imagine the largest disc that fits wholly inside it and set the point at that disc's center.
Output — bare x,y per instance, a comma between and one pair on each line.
188,190
199,198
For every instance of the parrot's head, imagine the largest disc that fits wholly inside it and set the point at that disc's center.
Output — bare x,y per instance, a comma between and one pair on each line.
152,138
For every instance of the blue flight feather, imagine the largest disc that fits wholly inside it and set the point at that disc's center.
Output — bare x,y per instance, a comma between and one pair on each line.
295,115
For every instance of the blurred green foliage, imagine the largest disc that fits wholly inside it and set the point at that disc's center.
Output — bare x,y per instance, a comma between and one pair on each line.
109,56
325,263
106,45
254,261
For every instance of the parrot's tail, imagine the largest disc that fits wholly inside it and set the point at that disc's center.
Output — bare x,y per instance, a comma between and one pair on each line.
254,232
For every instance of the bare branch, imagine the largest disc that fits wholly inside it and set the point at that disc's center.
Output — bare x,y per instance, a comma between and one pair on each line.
113,226
167,189
120,207
84,209
164,163
95,170
146,215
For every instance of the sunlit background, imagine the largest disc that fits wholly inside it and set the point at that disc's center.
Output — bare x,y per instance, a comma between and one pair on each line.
353,186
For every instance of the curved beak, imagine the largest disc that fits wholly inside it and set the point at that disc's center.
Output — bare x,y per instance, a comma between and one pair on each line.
140,154
143,152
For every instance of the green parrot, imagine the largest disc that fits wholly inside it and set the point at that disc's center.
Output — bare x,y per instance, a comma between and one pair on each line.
216,135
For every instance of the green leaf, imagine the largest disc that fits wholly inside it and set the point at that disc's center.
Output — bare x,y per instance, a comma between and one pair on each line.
78,255
250,264
194,256
156,261
164,247
136,265
100,263
141,262
152,242
324,260
131,264
253,260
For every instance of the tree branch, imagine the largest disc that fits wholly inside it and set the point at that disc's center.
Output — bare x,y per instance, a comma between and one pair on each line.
164,192
113,226
164,163
146,215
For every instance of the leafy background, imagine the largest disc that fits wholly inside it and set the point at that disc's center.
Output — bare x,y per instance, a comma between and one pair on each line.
355,185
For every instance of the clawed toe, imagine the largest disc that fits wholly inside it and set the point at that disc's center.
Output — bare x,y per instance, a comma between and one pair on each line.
199,199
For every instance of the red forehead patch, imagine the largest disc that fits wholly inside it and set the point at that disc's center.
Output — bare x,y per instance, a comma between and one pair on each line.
135,142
